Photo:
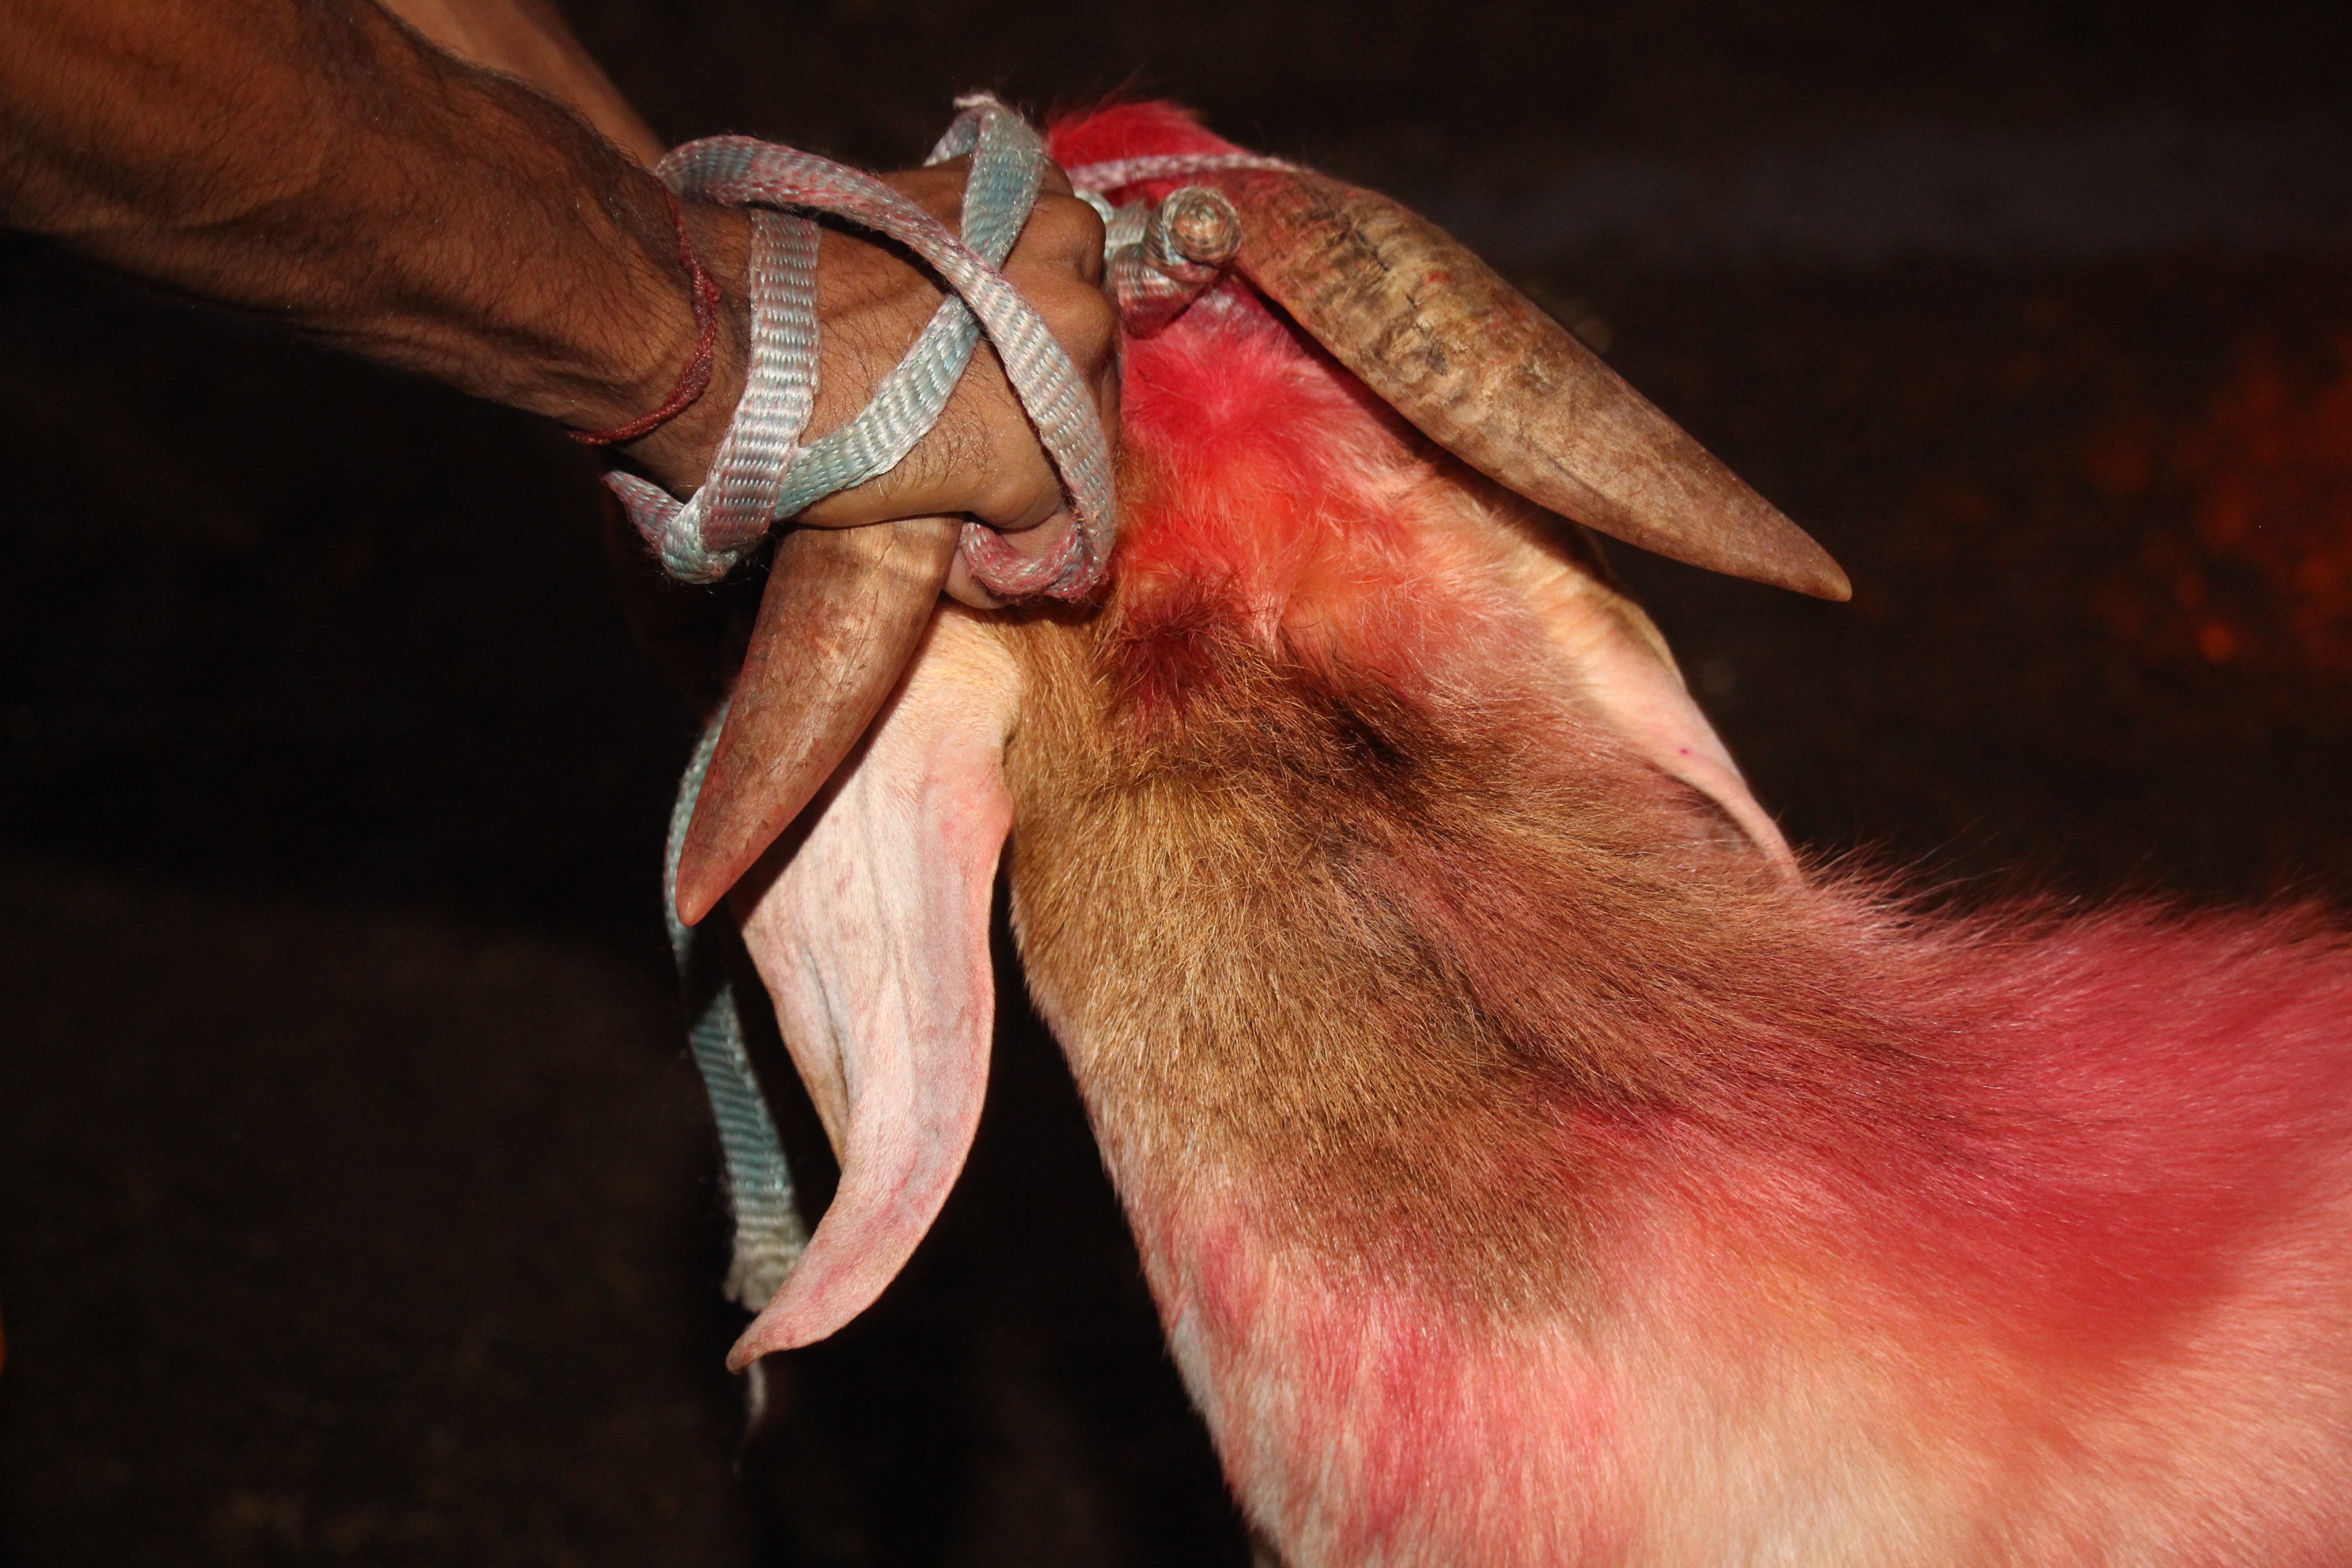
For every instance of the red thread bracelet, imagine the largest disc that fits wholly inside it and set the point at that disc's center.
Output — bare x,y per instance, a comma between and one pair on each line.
695,379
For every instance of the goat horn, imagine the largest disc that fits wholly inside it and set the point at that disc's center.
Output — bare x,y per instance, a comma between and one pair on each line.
843,612
1486,374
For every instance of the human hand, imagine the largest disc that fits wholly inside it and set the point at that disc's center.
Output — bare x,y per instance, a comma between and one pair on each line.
460,224
983,459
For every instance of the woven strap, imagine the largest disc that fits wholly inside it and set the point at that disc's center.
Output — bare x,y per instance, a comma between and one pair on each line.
769,1234
1116,174
762,471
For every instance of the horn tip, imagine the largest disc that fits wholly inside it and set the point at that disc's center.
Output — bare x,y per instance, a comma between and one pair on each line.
701,883
1827,581
1792,558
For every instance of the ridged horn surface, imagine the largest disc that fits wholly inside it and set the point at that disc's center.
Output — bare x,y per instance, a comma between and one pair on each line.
842,613
1486,374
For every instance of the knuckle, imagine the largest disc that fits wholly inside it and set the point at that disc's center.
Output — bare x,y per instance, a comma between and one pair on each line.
1085,320
938,188
1068,233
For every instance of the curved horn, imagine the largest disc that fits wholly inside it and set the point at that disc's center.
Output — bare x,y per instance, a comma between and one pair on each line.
842,613
1486,374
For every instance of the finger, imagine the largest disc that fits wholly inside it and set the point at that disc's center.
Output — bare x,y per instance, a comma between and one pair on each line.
983,457
1063,236
1044,540
937,188
965,588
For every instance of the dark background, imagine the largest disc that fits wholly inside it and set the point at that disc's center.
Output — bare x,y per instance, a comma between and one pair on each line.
355,1200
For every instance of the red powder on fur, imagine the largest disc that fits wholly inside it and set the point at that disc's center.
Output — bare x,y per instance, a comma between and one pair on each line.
1962,1241
1267,495
1131,130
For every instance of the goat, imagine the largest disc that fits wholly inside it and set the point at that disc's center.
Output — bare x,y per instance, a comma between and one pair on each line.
1531,1163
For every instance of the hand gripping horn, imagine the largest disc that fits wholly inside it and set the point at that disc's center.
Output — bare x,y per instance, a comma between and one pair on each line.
840,616
1488,375
1410,311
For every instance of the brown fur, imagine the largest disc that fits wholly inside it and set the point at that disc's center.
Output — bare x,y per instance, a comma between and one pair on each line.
1299,922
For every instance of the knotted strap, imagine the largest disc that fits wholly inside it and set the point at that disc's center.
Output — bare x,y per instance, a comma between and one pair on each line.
762,473
1116,174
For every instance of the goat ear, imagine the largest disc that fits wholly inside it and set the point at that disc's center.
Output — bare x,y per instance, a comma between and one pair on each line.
1625,670
870,930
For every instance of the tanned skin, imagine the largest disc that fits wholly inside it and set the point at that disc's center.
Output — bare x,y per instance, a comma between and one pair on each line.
321,164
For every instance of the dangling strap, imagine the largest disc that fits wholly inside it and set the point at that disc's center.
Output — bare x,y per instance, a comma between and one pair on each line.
769,1233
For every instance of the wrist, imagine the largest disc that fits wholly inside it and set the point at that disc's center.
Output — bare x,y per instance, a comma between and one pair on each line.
695,378
677,453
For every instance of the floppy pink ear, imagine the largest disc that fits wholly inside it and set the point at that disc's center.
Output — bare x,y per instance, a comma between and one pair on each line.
871,932
1623,665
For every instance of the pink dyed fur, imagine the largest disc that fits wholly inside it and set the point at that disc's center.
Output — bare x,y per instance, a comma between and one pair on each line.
2007,1240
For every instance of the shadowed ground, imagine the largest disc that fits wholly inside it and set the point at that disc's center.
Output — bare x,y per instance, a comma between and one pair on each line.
355,1205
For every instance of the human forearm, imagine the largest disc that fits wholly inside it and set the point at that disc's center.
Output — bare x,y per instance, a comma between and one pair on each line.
317,161
314,161
529,40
